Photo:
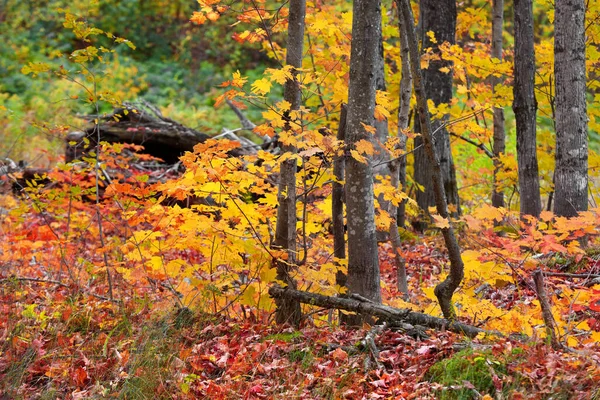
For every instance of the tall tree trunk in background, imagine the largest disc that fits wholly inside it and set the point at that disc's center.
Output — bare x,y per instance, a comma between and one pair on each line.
499,145
382,157
285,231
445,289
525,106
571,175
363,262
337,201
398,165
438,16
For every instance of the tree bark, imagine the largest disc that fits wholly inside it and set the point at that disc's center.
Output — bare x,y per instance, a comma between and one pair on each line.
571,176
363,262
445,289
499,145
525,106
398,165
285,231
381,159
438,16
387,313
337,201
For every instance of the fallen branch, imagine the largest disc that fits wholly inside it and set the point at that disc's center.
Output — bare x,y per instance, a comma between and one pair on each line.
369,342
386,313
549,321
58,283
571,275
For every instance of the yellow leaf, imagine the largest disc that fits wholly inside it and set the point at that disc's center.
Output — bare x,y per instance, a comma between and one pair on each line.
356,155
248,297
546,216
268,274
280,75
364,147
261,86
441,222
431,36
368,128
487,212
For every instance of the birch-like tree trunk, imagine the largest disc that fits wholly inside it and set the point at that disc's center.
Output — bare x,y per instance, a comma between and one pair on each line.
571,176
525,106
285,231
499,145
363,263
439,17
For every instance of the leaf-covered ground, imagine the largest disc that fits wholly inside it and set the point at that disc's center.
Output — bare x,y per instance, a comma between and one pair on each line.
190,316
59,345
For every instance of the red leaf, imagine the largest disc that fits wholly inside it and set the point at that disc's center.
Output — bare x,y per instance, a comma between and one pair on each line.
595,304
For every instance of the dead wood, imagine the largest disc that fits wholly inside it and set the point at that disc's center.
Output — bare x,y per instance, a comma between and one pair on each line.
139,123
549,321
385,313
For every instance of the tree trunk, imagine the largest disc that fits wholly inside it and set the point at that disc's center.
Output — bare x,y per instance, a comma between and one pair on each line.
438,16
398,165
288,310
381,159
499,145
363,262
403,112
445,289
525,106
337,202
571,177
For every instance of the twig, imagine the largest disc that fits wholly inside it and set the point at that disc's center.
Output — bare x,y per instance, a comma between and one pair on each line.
480,146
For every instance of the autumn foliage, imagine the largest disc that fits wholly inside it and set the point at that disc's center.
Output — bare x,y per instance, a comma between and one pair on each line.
123,277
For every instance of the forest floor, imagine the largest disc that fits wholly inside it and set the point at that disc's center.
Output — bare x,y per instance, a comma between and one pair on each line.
55,343
62,337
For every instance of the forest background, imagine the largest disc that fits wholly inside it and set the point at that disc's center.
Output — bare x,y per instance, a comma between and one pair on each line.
89,304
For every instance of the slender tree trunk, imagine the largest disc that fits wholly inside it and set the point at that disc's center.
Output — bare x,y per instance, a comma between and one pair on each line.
337,202
525,106
363,263
285,231
445,289
438,16
381,159
499,146
398,166
571,177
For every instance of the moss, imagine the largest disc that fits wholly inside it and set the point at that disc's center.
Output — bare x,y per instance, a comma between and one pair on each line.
473,367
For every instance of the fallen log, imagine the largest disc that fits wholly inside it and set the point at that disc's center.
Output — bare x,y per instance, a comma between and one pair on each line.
139,123
388,314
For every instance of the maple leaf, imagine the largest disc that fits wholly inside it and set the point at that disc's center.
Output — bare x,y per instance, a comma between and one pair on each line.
358,157
261,86
364,147
441,222
280,75
370,129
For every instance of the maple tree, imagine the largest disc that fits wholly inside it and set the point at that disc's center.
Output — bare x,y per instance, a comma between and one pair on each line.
120,276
